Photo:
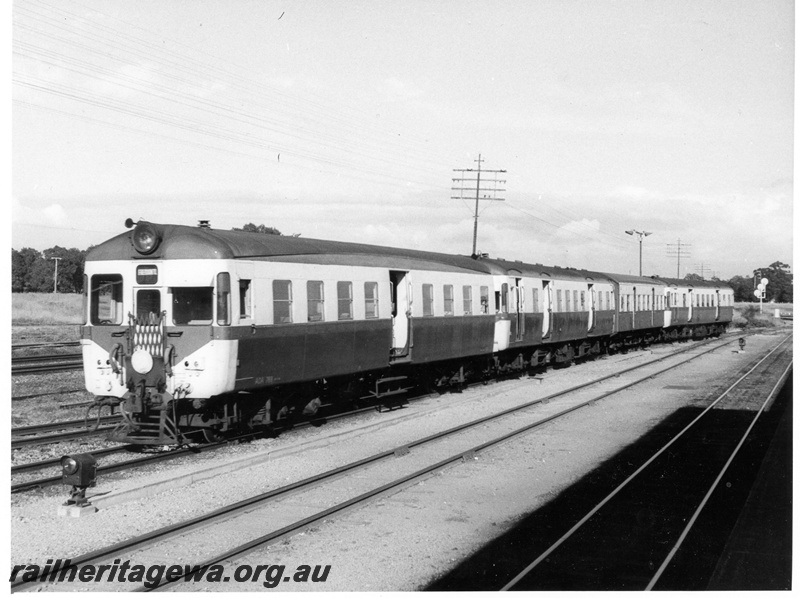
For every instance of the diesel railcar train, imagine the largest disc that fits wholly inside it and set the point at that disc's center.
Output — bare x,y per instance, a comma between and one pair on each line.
194,332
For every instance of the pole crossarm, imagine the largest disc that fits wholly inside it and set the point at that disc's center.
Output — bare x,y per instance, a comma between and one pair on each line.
490,180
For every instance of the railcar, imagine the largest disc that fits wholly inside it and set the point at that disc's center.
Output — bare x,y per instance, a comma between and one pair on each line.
696,307
193,332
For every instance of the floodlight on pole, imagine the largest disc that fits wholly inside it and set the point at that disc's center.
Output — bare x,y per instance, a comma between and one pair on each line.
642,234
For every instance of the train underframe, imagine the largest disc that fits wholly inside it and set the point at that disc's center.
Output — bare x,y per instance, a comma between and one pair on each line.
151,416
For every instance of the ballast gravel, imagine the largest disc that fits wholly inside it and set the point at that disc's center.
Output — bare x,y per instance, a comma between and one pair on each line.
403,540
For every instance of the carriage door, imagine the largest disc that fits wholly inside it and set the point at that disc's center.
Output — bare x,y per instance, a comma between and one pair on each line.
653,308
690,302
518,311
716,305
148,303
400,283
592,299
547,308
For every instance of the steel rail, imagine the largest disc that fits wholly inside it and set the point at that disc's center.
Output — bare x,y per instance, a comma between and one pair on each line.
631,477
45,368
38,358
223,513
60,344
55,438
146,460
131,463
25,467
64,425
701,506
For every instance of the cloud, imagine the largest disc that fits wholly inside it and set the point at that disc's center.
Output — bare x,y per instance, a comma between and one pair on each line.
52,215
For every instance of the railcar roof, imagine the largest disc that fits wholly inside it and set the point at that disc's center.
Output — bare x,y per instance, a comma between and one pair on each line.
707,284
631,279
187,242
193,242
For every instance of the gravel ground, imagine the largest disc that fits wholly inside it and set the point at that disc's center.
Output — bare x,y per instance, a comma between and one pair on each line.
407,539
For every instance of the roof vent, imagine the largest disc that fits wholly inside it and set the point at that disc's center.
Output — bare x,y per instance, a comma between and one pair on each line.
204,224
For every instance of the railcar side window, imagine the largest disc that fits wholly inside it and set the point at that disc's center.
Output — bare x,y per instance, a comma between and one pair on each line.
224,307
567,299
583,300
467,294
193,306
282,301
245,301
148,301
344,291
106,300
371,300
535,300
558,300
315,291
448,300
427,300
575,300
484,300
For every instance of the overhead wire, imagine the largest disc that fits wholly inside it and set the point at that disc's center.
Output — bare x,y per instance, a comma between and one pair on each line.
186,70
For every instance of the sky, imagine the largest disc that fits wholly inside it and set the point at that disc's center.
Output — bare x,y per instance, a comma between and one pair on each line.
349,121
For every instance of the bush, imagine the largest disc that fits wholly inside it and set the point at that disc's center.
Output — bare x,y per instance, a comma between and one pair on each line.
747,315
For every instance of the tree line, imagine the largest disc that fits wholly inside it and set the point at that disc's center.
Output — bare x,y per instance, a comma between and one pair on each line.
33,271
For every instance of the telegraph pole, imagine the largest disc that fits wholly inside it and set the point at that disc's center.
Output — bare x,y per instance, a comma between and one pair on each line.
678,249
55,276
702,269
461,185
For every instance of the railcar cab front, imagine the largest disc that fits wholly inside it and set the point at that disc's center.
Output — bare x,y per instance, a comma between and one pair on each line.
152,332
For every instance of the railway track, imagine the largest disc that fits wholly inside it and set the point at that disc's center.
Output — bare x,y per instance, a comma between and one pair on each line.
32,440
425,459
664,499
145,460
40,364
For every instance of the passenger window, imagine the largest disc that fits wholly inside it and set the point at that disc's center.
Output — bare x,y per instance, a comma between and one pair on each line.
467,294
245,301
535,300
567,304
106,300
448,300
192,306
148,301
427,300
344,293
583,300
316,300
484,300
282,301
371,299
558,300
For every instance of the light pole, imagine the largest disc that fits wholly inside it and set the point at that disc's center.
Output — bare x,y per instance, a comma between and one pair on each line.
642,234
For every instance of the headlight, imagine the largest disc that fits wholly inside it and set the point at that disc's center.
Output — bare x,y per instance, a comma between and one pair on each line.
146,237
142,361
